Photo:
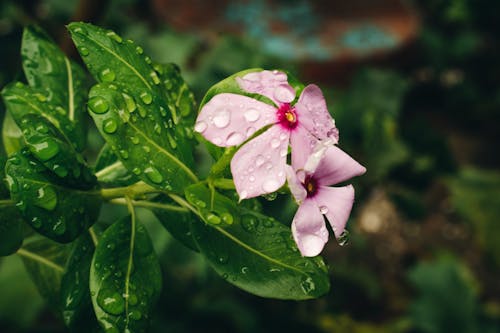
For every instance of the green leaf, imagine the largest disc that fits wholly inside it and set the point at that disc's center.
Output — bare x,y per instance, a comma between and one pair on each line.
143,145
130,109
45,261
125,277
446,300
11,135
180,98
11,230
61,80
474,194
177,223
11,222
253,251
44,142
52,209
22,100
76,304
111,171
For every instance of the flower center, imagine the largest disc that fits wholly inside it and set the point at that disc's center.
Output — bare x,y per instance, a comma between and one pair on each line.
287,116
311,186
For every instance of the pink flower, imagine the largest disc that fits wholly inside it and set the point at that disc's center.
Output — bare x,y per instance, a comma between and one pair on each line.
309,183
228,119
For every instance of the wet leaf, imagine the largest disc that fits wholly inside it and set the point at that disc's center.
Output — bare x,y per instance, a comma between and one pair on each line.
60,80
45,261
131,110
177,223
76,304
125,277
45,143
11,135
150,154
111,171
253,251
22,100
50,207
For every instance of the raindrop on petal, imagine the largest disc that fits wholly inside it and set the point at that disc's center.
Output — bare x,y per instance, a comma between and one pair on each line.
251,115
221,118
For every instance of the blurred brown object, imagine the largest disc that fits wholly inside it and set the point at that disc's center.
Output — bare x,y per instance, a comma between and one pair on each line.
328,39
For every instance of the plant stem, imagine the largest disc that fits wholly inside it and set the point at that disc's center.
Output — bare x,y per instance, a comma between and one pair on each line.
40,259
149,204
7,202
93,235
132,191
183,203
131,255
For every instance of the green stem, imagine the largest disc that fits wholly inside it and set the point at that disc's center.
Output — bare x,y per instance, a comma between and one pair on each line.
221,165
40,259
107,170
149,204
93,235
7,202
131,256
132,191
184,203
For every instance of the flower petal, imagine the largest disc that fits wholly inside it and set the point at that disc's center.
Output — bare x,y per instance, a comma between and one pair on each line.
336,203
258,167
336,166
302,143
229,119
272,84
314,114
309,230
295,185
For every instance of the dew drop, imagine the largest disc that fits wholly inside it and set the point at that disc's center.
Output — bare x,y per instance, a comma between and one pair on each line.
153,175
59,227
98,105
171,141
107,75
323,209
307,285
259,161
123,154
251,115
129,102
275,143
136,171
154,77
135,315
343,239
200,126
84,51
114,36
284,93
135,140
36,222
109,126
270,185
244,269
221,118
227,218
46,198
111,301
139,50
234,139
223,258
249,223
146,97
45,149
213,219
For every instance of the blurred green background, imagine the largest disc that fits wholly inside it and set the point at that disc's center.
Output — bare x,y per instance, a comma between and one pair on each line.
414,88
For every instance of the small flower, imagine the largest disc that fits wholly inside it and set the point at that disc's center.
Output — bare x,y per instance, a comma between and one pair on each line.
310,185
258,167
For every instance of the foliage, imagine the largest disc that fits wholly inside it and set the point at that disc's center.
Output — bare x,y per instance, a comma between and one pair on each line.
145,113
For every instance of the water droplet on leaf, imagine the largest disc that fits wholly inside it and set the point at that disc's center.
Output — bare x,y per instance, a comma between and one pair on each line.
153,175
107,75
109,126
98,105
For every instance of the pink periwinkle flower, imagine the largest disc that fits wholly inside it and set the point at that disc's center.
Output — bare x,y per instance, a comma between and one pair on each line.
310,183
228,119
